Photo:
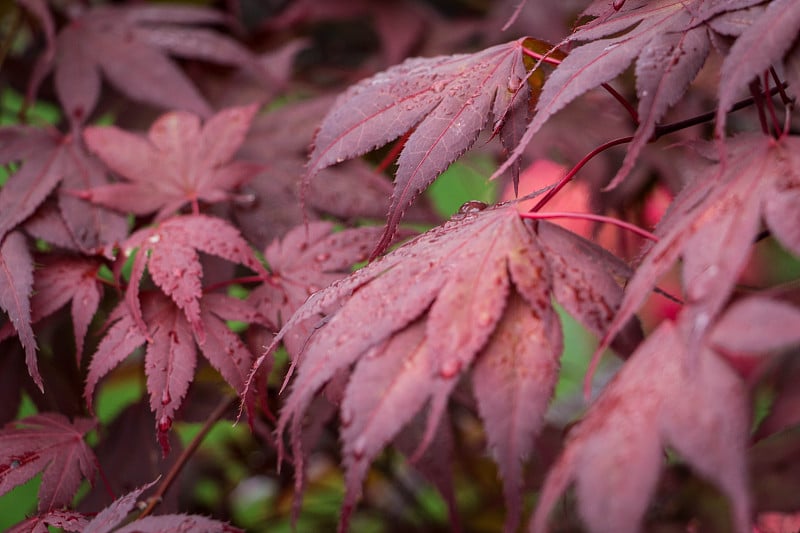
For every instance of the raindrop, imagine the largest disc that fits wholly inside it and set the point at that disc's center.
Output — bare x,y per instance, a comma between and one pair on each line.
359,448
450,368
484,319
439,86
165,397
164,424
324,256
346,417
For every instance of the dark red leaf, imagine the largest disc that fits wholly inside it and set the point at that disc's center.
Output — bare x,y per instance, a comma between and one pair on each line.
63,519
51,444
653,402
171,352
170,252
16,284
128,45
446,100
179,162
177,522
110,517
754,52
63,280
513,381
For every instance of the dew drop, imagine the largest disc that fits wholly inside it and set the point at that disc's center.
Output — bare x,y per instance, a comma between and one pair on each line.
164,424
346,417
484,319
450,368
359,448
439,86
154,238
165,397
324,256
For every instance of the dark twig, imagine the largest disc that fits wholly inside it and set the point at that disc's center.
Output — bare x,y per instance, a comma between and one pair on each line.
187,453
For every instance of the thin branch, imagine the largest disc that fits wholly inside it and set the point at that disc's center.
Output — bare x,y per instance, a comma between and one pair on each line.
758,99
785,98
244,279
571,174
776,125
633,228
14,27
187,453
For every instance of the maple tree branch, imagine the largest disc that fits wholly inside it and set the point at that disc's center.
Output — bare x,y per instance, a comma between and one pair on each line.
571,174
244,279
785,98
184,457
776,125
758,99
633,228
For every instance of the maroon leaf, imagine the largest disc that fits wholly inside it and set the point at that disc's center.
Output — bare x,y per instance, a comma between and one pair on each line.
752,53
63,280
641,28
128,45
446,100
652,403
114,514
179,162
50,444
757,325
171,353
415,320
47,160
712,224
170,252
63,519
513,381
306,260
16,284
177,522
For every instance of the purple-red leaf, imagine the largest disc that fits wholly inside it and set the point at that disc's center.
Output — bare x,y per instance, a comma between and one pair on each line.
127,45
513,380
16,284
170,252
653,402
446,100
171,352
177,522
762,44
51,444
114,514
179,162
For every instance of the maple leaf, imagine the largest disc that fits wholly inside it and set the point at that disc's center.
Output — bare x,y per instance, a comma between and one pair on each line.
169,251
635,417
307,259
416,319
752,328
445,100
16,284
171,354
49,159
753,54
713,221
128,45
60,280
179,162
63,519
50,444
668,37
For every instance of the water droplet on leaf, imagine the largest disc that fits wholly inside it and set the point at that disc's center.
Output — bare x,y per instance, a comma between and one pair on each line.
450,368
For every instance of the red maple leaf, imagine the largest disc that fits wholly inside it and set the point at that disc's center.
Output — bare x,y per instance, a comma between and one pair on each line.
416,319
16,284
60,280
652,403
306,260
713,221
129,46
169,251
670,40
48,159
171,354
179,162
50,444
445,100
